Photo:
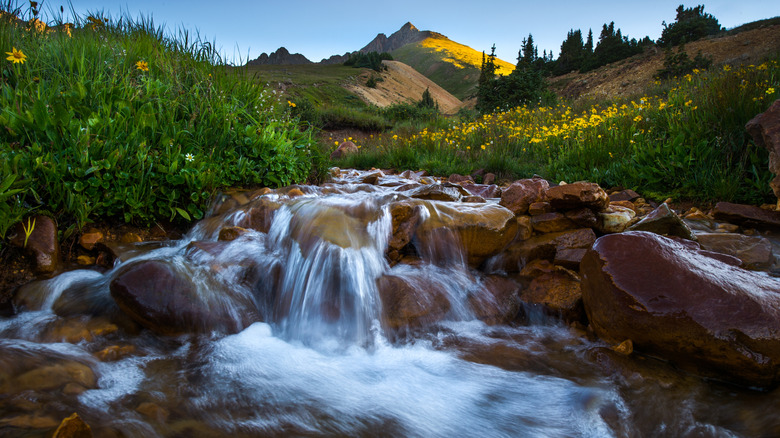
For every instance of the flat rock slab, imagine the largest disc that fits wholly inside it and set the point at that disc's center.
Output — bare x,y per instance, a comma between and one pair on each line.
747,216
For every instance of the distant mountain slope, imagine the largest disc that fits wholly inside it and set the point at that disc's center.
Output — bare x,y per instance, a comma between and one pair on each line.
452,65
402,84
407,34
280,57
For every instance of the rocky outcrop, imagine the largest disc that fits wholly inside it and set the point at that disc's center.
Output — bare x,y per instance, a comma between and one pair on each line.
280,57
407,34
765,130
679,303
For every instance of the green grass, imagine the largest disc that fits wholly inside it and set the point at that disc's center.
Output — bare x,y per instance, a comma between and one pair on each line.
88,135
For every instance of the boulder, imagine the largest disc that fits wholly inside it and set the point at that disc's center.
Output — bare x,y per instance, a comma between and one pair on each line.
411,303
258,215
681,304
372,177
405,217
522,193
552,222
166,301
498,302
545,246
583,217
664,221
765,130
73,427
483,229
460,179
615,219
755,252
537,208
483,190
623,195
576,195
344,149
557,292
42,242
747,216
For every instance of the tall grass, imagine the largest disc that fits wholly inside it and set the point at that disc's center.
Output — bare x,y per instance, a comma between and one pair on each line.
112,118
689,141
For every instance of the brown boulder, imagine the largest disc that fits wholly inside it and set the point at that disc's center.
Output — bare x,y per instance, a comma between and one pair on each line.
747,216
754,251
680,304
42,242
405,217
498,302
258,215
344,149
164,300
483,190
664,221
765,130
460,179
545,246
576,195
73,427
552,222
558,292
522,193
411,303
584,217
537,208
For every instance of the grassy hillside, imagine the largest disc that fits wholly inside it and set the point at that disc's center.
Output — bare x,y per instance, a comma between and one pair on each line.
455,67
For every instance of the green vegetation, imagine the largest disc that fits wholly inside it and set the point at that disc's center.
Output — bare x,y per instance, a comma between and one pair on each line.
688,141
689,25
372,60
678,64
114,119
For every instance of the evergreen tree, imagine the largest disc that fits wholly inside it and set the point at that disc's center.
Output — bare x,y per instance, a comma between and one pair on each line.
612,46
572,53
486,86
427,101
690,24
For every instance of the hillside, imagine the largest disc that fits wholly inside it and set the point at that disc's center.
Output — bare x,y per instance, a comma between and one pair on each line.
452,65
635,75
402,84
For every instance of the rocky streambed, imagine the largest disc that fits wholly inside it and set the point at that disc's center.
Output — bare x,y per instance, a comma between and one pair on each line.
386,304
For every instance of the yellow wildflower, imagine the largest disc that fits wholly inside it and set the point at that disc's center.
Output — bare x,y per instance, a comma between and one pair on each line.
638,119
142,65
292,104
770,90
16,56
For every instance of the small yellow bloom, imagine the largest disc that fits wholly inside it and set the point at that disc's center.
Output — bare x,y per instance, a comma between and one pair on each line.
292,104
16,56
142,65
770,90
638,119
483,147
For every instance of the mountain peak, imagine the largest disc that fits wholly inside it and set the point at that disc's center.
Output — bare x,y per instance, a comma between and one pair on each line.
407,34
408,26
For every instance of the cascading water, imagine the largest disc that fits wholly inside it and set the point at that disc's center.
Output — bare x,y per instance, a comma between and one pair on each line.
299,325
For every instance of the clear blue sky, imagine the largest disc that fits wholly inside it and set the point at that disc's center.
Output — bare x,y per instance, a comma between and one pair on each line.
318,29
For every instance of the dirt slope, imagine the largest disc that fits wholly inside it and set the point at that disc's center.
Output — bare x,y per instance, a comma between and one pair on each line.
633,75
402,84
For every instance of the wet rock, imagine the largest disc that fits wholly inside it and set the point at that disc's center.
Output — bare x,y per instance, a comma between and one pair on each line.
570,258
229,234
552,222
411,304
625,348
498,302
489,178
372,178
130,237
460,179
525,228
294,193
554,289
42,242
664,221
50,377
625,204
114,353
77,329
681,305
30,422
405,218
545,246
583,217
483,190
615,219
73,427
436,192
522,193
85,260
166,301
623,195
765,130
483,229
342,226
473,199
747,216
414,176
90,238
258,215
755,252
345,149
576,195
538,208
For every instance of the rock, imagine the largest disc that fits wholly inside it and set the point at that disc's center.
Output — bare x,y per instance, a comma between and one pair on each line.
411,304
525,228
414,176
522,193
546,246
498,302
460,179
73,427
229,234
258,215
85,260
30,422
765,130
473,199
489,178
130,237
624,195
537,208
625,348
747,216
294,193
483,229
42,242
679,304
51,377
552,222
405,218
556,290
625,204
166,301
583,217
615,219
372,178
90,238
754,252
153,411
114,353
576,195
436,192
344,149
485,191
664,221
570,258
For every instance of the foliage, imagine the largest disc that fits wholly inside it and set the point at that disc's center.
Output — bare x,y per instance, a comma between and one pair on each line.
689,25
114,119
612,47
372,60
679,64
689,142
427,101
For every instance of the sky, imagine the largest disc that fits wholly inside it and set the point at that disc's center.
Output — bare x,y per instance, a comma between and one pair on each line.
317,29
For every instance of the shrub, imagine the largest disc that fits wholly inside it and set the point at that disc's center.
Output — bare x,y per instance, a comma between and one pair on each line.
690,24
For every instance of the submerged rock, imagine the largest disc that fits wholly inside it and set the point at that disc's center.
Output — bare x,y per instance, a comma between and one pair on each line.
410,303
498,302
681,304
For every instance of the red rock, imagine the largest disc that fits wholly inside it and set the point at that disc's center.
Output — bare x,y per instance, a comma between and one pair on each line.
754,251
498,302
664,221
576,195
570,257
545,246
537,208
460,179
410,305
42,242
405,218
485,191
489,178
344,149
558,292
73,427
437,192
89,238
372,178
522,193
552,222
765,130
229,234
583,217
682,305
624,195
747,216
